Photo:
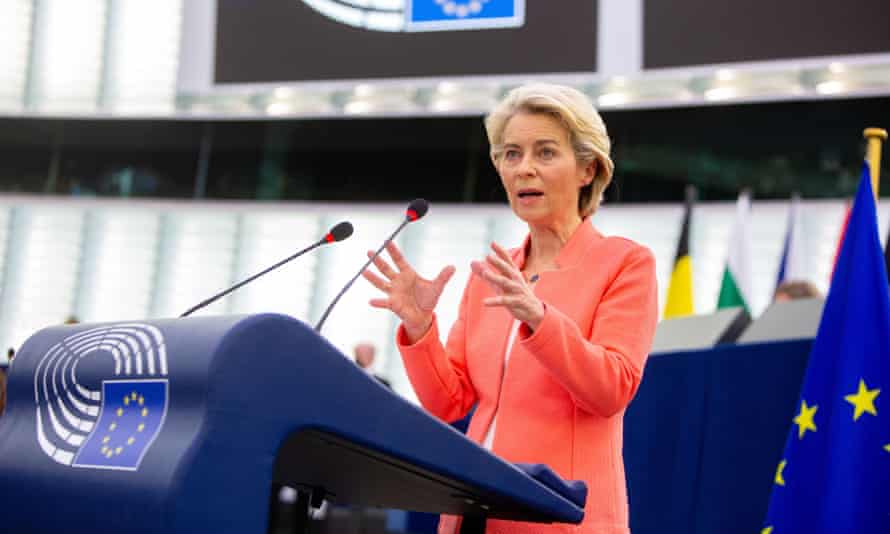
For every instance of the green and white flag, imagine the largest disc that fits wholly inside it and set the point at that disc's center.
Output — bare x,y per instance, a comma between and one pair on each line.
736,287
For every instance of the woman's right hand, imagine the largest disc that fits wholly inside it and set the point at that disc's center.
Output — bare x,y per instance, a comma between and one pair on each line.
408,295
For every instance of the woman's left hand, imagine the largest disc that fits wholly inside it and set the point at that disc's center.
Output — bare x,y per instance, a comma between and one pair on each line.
514,293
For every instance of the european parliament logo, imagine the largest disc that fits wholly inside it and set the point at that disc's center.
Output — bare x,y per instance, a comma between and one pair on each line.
437,15
423,15
108,426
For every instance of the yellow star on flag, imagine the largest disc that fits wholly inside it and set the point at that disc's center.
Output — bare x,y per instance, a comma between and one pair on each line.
887,447
780,480
804,420
767,530
863,400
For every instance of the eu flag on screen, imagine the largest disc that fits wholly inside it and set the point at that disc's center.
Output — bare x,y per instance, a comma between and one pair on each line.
132,414
834,475
424,15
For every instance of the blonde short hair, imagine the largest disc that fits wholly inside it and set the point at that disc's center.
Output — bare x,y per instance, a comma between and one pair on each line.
586,130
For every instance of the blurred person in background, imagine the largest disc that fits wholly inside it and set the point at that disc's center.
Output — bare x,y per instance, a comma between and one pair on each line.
796,289
365,353
551,337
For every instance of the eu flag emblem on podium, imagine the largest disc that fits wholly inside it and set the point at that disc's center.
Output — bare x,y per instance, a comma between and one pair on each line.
444,15
132,414
834,475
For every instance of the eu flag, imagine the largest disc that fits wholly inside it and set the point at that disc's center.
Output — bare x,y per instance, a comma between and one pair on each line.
132,414
435,15
835,473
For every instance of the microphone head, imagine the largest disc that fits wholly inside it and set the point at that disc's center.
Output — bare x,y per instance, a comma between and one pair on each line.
417,209
339,232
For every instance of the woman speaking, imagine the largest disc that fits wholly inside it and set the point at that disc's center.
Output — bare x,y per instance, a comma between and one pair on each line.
551,337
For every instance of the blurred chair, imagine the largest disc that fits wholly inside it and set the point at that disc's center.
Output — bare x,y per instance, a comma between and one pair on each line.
786,320
696,332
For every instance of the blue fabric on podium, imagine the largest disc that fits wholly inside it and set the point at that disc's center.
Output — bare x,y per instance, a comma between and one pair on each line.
573,490
704,433
663,430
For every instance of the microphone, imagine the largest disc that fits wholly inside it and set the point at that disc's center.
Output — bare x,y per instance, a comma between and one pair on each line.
338,233
416,209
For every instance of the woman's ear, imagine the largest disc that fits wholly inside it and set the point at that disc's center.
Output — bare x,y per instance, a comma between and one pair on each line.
589,173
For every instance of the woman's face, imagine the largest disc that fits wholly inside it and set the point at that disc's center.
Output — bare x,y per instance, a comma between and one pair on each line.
539,170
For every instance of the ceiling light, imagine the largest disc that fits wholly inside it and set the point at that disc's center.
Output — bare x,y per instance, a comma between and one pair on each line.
831,87
721,93
612,99
358,107
725,75
447,88
277,108
442,105
283,92
363,90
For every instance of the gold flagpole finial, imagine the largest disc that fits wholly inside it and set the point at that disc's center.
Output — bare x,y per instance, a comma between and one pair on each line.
874,137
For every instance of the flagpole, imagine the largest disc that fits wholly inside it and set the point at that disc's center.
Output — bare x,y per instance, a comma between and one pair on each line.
874,137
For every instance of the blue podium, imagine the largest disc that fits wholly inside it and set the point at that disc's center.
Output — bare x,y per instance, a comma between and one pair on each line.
183,425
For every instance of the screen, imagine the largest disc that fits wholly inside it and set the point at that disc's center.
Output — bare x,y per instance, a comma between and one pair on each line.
305,40
683,33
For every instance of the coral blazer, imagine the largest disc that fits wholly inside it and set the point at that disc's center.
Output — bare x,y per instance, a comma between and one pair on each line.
560,400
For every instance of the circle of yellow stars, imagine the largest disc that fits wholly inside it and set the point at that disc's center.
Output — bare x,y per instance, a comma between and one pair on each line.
108,449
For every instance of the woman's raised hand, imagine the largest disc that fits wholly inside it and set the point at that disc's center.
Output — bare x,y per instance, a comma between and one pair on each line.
508,282
408,295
